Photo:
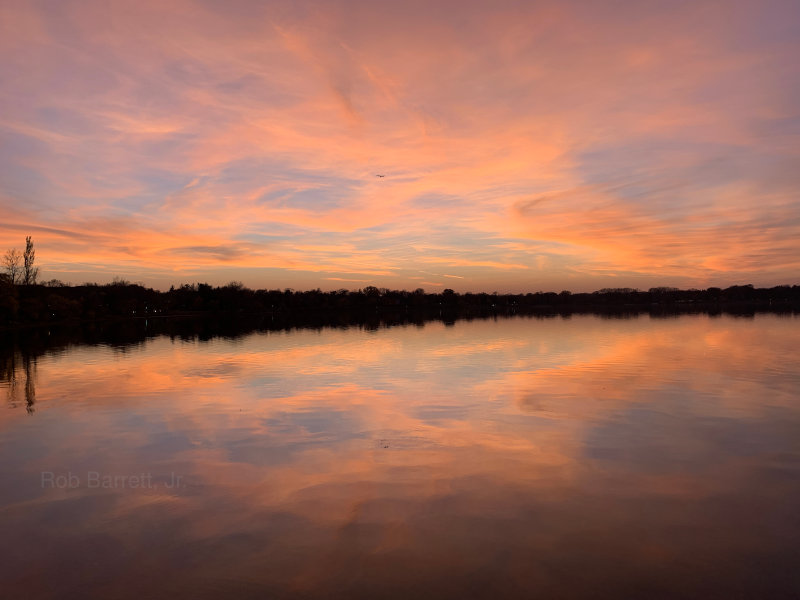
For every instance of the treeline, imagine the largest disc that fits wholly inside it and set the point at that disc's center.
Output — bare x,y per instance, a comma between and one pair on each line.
55,302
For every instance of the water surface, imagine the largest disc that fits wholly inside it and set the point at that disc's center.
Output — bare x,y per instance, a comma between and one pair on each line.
521,457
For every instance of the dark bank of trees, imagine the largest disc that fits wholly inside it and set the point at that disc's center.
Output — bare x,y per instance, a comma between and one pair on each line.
55,302
101,313
24,301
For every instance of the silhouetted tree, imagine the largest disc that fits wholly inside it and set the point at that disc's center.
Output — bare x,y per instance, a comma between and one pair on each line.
29,272
11,264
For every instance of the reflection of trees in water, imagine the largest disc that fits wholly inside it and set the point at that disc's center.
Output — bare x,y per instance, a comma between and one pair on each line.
20,349
30,383
12,366
8,374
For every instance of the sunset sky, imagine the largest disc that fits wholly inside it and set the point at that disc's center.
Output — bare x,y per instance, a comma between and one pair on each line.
525,145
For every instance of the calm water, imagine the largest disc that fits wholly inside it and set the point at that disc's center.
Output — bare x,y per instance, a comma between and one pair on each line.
551,458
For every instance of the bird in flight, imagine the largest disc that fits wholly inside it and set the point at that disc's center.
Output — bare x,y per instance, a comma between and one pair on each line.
380,175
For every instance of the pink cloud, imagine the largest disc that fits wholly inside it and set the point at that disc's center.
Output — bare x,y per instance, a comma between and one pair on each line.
560,141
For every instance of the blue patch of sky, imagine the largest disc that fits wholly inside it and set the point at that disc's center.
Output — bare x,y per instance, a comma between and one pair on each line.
14,145
324,198
247,11
403,243
65,121
777,126
280,170
166,145
645,168
772,23
188,71
18,180
162,180
450,242
261,233
255,87
159,184
326,192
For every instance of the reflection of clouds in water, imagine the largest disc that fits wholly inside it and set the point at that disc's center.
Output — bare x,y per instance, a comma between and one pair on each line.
221,369
578,446
669,439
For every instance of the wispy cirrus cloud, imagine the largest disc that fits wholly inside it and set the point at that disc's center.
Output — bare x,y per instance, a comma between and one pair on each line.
542,145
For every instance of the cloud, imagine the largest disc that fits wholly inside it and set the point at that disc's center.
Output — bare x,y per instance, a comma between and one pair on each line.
653,146
220,253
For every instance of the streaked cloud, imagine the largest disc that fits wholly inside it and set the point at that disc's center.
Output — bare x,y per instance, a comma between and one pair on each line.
527,145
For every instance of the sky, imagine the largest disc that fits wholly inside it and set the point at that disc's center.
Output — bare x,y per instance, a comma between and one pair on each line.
524,146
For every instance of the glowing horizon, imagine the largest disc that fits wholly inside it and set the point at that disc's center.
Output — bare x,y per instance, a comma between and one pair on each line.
527,146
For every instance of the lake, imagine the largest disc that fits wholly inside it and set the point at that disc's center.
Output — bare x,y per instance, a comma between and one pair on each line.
561,457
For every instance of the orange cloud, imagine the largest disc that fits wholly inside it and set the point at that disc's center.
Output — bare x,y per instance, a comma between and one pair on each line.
641,146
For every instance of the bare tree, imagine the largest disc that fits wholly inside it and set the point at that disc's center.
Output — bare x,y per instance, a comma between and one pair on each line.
11,264
29,272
